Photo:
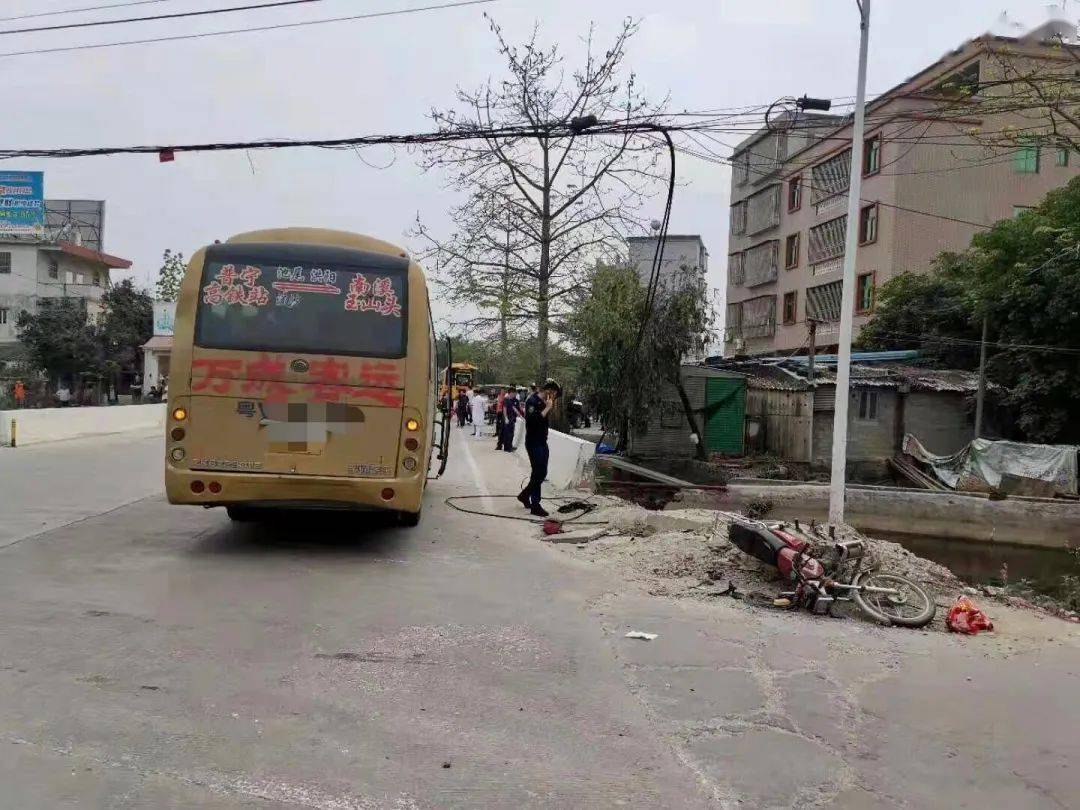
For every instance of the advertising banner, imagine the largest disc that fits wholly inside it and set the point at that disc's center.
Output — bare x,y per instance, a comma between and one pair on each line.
164,315
22,203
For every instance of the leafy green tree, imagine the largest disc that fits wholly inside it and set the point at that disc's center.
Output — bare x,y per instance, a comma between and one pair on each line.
516,364
170,275
126,323
626,377
1023,275
928,312
61,339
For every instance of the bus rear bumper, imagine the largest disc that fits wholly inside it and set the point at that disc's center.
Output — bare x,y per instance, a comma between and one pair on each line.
292,491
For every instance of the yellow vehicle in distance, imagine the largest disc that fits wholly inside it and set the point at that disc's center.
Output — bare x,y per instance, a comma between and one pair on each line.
461,376
303,376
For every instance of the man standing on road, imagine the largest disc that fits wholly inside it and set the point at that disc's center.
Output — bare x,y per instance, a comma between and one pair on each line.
537,407
19,393
511,412
500,419
462,408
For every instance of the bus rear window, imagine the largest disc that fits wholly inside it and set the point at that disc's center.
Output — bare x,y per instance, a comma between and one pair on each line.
304,308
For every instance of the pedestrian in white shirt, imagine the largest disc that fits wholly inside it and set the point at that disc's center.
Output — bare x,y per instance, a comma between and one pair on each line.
479,409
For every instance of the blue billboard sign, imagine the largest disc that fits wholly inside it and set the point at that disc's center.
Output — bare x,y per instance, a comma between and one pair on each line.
22,203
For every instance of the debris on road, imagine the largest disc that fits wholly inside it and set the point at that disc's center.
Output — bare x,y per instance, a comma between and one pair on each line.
575,536
640,634
966,617
687,553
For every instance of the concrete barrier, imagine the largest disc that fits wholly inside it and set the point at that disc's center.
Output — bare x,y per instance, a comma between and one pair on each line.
569,456
1019,521
36,425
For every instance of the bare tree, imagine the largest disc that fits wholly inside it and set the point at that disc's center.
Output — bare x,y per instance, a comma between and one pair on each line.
568,199
1023,93
484,264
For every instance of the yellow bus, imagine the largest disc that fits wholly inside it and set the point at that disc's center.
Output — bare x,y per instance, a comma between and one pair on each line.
302,376
459,377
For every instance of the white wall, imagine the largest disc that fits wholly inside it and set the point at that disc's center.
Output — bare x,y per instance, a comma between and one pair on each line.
150,369
17,288
36,425
678,252
568,457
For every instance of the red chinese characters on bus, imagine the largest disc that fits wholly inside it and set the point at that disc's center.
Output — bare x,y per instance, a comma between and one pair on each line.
217,375
330,371
265,368
379,373
364,296
232,286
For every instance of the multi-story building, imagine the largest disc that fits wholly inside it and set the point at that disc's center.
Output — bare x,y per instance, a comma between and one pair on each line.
66,262
685,260
932,178
682,253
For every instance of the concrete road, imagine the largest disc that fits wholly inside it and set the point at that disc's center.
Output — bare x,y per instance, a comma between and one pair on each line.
46,486
157,656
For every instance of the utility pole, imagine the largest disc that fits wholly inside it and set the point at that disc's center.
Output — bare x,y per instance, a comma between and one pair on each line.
847,298
813,349
504,303
982,379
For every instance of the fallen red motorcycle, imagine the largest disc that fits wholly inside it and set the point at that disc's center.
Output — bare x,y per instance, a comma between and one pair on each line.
825,572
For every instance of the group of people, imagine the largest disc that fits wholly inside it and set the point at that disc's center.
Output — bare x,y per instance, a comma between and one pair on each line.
61,399
471,407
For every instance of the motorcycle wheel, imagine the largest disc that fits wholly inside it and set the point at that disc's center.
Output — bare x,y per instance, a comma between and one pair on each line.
912,607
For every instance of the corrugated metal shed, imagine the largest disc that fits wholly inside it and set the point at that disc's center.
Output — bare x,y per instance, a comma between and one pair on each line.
790,374
725,425
667,434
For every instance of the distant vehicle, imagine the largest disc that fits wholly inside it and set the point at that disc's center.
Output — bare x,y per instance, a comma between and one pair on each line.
463,375
577,415
303,376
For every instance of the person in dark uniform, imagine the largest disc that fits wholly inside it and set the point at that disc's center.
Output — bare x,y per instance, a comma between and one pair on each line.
500,420
537,408
462,408
511,412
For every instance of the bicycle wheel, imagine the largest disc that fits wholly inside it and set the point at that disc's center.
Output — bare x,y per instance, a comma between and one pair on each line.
909,606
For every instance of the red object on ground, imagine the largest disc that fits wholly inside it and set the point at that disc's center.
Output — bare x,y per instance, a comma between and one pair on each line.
552,527
966,617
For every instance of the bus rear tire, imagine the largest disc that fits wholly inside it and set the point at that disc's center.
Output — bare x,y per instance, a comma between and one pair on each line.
241,514
408,519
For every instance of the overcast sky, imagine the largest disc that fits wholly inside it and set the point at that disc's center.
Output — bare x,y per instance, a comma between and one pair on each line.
384,75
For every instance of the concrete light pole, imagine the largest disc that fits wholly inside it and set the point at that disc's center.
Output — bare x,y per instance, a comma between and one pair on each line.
847,298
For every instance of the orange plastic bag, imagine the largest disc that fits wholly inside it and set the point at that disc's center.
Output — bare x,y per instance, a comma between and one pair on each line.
966,617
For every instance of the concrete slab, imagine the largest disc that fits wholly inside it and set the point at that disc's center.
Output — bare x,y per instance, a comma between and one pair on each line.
769,769
697,695
679,643
50,485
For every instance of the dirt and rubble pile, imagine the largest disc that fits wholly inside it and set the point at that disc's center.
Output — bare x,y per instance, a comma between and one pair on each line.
686,552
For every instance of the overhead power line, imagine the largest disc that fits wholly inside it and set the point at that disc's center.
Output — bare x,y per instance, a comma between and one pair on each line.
84,8
463,133
302,24
173,16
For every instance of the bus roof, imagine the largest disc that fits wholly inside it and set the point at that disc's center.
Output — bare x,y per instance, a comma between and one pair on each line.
321,236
